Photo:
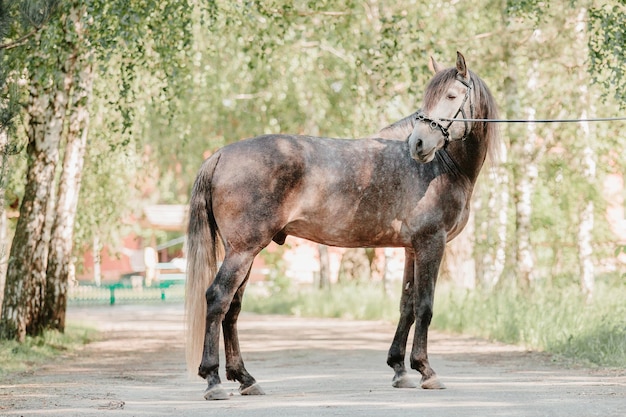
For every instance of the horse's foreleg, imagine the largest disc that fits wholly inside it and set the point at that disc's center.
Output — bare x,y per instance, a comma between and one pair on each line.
397,351
235,369
427,263
219,296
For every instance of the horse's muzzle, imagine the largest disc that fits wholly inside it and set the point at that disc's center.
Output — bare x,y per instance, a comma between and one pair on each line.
422,149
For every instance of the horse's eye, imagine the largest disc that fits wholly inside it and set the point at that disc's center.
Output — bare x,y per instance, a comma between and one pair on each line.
451,96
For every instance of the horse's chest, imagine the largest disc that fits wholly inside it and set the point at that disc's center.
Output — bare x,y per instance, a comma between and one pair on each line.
441,207
458,226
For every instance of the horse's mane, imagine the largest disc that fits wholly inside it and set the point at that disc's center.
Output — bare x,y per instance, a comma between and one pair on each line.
485,108
399,130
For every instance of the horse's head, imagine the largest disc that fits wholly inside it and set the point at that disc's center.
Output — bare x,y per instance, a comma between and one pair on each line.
448,95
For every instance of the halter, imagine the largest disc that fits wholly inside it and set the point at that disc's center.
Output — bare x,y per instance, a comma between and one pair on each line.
435,124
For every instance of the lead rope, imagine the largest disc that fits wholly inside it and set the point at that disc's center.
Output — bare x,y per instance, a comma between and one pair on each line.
596,119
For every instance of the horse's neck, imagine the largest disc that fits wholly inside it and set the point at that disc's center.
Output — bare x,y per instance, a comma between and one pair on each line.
468,156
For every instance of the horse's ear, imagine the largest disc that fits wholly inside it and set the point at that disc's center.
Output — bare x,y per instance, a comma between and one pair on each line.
434,65
460,65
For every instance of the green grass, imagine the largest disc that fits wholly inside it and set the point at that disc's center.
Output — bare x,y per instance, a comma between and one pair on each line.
555,320
18,357
350,301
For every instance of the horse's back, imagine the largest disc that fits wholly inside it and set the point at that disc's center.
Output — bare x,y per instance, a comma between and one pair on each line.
272,159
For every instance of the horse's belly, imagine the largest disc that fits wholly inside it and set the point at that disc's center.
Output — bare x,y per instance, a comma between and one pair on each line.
352,236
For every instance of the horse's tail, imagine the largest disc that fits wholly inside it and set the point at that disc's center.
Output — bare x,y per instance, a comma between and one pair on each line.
203,252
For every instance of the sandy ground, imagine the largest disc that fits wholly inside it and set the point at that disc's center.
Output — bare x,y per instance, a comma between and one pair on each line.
308,367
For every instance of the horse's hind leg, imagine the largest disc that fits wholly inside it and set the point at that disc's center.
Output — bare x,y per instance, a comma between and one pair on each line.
219,296
235,369
397,351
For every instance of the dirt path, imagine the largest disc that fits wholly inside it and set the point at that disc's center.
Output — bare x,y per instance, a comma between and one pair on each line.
308,367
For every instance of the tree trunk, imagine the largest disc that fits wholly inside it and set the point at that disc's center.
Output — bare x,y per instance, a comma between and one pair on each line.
386,278
494,227
526,153
585,228
4,142
97,261
585,225
513,132
26,273
324,281
524,187
355,266
24,295
61,240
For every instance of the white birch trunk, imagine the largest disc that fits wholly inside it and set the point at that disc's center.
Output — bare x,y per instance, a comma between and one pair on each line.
525,186
26,273
61,241
494,228
586,222
23,306
62,233
585,226
515,135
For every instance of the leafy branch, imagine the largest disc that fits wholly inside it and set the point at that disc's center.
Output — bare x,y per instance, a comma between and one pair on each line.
33,13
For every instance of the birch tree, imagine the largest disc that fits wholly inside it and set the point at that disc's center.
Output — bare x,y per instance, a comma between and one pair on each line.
59,266
26,272
33,16
60,79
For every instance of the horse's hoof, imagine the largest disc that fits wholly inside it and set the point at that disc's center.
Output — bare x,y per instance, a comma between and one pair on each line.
253,389
403,382
433,383
216,393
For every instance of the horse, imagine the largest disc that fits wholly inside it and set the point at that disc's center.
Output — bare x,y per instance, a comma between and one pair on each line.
408,186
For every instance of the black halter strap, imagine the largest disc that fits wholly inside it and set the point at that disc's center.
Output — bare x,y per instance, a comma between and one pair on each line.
435,124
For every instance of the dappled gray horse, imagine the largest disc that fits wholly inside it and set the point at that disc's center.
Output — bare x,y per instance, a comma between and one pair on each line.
412,193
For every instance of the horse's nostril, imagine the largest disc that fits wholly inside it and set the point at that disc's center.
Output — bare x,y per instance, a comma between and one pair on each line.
419,145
